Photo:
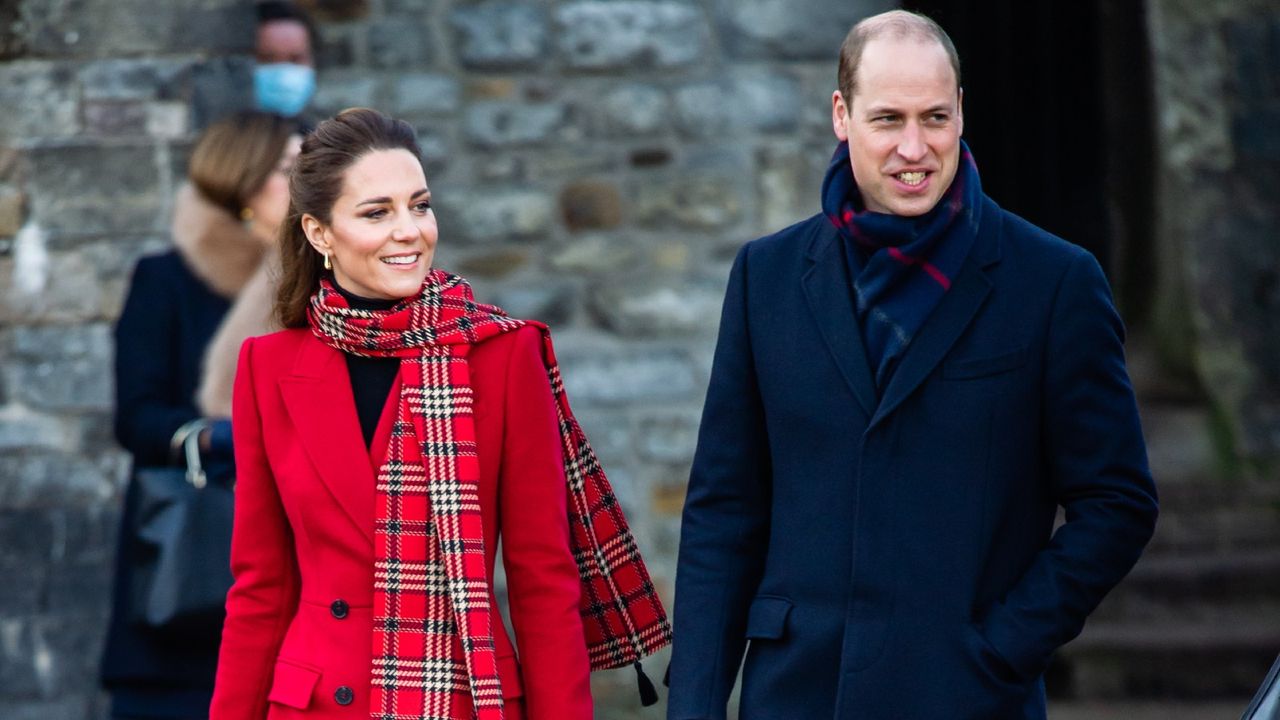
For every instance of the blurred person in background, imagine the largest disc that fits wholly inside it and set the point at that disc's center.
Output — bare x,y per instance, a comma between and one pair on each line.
385,442
284,79
188,310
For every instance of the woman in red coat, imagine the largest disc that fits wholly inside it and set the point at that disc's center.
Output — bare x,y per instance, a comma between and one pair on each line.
383,445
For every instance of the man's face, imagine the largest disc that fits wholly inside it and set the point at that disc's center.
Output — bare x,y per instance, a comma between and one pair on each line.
283,41
903,125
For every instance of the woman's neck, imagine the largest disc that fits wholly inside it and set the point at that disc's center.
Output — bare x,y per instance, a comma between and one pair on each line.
359,302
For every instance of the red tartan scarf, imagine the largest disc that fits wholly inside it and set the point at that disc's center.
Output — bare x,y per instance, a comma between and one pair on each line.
431,590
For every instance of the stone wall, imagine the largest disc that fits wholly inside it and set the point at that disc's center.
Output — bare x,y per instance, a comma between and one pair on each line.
595,164
1217,84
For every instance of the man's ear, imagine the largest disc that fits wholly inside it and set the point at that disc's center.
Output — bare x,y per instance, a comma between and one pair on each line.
960,109
839,116
317,234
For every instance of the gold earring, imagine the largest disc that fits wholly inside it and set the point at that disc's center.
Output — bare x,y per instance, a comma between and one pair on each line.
246,214
327,265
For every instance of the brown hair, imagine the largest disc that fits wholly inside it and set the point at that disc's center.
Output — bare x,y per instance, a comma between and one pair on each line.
234,157
314,186
898,24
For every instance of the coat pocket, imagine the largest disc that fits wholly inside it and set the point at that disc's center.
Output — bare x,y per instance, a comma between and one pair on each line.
293,684
967,368
767,619
509,672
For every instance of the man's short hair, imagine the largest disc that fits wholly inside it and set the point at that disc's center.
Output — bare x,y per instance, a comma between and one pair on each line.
897,24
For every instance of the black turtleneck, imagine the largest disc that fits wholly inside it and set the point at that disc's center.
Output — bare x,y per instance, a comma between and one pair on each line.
371,377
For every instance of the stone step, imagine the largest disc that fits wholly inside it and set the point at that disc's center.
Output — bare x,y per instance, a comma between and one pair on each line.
1165,659
1200,588
1243,526
1221,710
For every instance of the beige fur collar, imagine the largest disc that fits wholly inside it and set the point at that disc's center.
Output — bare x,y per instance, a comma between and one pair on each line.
215,245
251,315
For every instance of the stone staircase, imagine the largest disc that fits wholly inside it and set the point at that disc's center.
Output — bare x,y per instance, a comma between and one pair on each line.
1198,619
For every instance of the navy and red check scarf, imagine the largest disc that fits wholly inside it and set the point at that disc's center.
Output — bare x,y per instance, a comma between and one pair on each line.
429,552
901,266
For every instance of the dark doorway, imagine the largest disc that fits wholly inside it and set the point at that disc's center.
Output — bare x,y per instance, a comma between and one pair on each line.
1057,109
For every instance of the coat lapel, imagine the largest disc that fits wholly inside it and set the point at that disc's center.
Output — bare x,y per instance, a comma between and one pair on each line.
320,404
828,292
949,319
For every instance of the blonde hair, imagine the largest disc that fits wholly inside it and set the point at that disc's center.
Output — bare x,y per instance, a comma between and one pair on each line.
234,157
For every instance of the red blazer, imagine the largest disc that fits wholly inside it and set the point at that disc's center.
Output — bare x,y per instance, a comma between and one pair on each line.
298,636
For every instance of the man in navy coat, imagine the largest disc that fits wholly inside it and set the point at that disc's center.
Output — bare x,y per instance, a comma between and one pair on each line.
905,389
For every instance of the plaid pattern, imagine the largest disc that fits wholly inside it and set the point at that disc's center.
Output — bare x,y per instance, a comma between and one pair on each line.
900,266
432,636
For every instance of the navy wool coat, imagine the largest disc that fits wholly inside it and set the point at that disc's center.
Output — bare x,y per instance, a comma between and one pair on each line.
164,328
892,555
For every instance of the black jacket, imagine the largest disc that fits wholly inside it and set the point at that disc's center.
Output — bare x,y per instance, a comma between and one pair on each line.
167,322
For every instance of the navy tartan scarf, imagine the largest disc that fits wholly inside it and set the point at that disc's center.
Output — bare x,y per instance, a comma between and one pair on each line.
900,266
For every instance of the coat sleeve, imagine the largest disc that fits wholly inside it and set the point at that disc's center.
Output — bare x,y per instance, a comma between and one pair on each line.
542,575
264,597
724,532
146,368
1097,466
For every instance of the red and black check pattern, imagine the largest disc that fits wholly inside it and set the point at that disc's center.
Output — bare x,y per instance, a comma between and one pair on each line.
432,640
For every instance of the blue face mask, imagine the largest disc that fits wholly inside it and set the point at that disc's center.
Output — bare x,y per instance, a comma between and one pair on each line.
283,88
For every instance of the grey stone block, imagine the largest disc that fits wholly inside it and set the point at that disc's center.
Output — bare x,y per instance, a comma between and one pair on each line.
788,183
52,656
547,302
631,376
656,308
121,118
493,216
64,282
634,109
596,253
630,35
43,479
704,201
69,707
499,123
219,86
131,79
400,44
500,36
38,100
168,120
340,89
668,436
75,28
791,29
424,94
61,368
21,428
758,101
97,189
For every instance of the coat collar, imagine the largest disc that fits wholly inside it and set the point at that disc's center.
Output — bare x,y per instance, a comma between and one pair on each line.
213,243
318,398
827,289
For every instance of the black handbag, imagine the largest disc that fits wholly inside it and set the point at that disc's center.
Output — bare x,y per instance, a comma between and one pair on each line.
1266,704
182,536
